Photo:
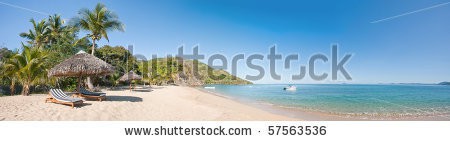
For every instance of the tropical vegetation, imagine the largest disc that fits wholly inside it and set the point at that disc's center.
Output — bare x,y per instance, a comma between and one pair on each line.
163,71
27,68
51,40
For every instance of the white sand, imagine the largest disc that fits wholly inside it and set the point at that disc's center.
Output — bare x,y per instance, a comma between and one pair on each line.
162,103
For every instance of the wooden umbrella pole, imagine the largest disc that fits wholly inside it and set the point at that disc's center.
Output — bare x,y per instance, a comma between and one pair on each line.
79,85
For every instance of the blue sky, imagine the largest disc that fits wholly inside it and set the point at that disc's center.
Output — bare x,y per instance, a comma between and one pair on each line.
410,48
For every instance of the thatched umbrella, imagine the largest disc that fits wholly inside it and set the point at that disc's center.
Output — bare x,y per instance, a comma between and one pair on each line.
79,65
130,76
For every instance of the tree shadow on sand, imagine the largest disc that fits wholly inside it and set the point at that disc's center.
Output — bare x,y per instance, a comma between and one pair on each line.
124,98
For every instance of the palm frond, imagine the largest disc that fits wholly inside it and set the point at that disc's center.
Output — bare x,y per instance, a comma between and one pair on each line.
98,21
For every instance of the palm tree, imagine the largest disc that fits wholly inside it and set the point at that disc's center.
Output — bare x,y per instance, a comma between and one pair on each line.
9,76
27,68
62,39
6,77
98,22
8,73
62,34
38,36
55,25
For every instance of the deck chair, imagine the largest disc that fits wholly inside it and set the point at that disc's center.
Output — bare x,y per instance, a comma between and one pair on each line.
58,96
93,95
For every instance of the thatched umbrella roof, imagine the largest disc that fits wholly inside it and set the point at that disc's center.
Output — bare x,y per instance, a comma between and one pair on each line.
81,64
130,76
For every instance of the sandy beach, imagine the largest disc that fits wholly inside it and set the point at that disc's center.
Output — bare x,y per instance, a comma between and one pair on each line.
160,103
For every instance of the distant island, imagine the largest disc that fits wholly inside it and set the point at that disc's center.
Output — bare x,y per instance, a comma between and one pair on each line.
444,83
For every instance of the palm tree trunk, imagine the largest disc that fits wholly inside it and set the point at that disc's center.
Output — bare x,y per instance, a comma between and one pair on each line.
88,79
93,46
12,88
26,89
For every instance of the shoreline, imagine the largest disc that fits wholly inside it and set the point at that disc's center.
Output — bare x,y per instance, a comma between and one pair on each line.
313,115
284,111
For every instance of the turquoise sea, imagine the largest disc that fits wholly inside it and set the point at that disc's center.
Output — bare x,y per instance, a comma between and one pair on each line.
361,101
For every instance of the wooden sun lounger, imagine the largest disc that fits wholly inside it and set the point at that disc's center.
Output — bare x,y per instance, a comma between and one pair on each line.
91,95
58,96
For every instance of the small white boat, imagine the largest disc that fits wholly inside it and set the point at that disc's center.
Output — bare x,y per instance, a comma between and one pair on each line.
210,87
290,88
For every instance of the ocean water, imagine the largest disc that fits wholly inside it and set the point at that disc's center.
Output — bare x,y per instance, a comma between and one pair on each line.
365,101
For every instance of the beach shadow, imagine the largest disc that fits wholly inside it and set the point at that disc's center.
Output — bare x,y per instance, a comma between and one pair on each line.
142,90
159,87
124,98
116,89
83,105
